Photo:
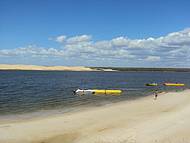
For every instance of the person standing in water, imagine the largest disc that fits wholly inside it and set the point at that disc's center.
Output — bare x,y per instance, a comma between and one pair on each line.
155,94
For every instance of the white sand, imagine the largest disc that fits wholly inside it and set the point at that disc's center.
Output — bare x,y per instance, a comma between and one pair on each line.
165,120
47,68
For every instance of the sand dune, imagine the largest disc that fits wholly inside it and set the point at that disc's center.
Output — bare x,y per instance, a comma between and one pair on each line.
165,120
47,68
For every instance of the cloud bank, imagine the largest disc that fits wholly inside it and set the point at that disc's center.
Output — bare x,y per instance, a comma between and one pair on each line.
172,50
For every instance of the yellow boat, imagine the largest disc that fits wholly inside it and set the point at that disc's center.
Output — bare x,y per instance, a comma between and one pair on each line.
174,84
100,91
97,92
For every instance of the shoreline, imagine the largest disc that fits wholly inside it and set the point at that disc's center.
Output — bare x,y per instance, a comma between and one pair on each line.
43,114
142,120
49,113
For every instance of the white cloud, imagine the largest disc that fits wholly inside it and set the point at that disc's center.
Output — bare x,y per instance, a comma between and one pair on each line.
77,39
61,38
120,41
172,49
153,58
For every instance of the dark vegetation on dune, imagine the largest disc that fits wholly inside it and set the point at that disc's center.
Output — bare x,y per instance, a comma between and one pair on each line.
143,69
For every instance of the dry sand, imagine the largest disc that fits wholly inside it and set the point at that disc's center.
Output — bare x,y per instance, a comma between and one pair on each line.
46,68
145,120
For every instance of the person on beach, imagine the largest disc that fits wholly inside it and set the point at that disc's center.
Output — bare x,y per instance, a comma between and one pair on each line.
155,95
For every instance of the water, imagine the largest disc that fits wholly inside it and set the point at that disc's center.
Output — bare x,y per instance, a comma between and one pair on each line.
33,91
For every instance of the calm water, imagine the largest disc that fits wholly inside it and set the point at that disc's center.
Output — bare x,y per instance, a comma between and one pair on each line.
32,91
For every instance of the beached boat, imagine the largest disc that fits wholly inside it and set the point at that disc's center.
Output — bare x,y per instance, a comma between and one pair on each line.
174,84
151,84
97,92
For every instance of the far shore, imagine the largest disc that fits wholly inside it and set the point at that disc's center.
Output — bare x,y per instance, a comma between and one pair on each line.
144,120
48,68
90,68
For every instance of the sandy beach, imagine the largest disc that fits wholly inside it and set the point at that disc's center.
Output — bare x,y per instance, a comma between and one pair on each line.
145,120
44,68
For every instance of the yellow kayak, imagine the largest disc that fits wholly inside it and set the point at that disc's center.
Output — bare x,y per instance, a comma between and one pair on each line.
174,84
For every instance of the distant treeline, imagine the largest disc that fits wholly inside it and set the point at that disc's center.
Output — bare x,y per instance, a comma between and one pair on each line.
143,69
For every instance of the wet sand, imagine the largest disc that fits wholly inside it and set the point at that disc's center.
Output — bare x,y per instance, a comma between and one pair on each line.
145,120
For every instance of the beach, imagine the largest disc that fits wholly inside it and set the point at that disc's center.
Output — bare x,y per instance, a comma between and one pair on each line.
144,120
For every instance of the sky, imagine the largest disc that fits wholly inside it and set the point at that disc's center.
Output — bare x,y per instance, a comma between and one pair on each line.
121,33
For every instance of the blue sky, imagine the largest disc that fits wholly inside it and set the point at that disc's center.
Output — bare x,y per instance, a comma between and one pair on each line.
40,32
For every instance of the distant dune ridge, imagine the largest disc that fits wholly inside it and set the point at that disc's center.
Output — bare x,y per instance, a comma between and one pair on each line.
51,68
48,68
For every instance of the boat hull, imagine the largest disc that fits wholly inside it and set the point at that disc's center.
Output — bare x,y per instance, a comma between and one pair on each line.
107,92
97,92
151,84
